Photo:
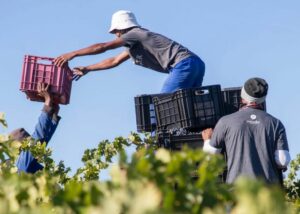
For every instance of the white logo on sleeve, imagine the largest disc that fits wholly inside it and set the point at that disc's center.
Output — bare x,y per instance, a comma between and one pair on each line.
253,120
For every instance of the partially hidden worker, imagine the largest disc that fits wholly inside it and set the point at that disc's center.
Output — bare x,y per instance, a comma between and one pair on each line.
254,141
44,130
146,48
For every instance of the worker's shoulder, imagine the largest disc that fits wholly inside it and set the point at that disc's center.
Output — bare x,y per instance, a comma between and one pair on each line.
138,30
244,113
136,33
228,119
150,34
250,113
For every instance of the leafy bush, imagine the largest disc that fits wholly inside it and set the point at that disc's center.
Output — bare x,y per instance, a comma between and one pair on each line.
153,180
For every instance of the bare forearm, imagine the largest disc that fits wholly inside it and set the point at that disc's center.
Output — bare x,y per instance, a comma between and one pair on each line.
105,64
91,50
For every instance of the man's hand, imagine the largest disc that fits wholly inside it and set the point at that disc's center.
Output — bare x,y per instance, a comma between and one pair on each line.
63,59
207,133
56,108
43,91
78,72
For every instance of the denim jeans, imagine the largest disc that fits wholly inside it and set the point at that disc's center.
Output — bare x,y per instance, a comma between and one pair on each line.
188,73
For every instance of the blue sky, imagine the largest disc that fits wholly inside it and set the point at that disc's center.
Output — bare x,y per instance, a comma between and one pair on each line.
236,39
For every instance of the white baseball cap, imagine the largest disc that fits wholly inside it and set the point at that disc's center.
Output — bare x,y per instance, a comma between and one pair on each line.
122,20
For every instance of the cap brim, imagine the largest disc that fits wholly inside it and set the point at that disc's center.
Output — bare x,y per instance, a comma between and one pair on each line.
111,30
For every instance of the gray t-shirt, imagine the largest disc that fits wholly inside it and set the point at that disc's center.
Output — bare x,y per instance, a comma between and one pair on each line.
154,51
250,137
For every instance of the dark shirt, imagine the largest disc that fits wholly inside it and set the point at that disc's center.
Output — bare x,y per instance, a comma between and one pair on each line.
250,138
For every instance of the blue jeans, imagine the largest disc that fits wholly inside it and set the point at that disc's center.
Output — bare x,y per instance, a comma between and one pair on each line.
188,73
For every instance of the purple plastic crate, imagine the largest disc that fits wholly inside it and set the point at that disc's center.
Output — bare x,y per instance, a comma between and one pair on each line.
42,70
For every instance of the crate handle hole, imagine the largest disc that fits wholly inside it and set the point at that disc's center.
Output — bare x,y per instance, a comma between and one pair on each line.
44,62
201,92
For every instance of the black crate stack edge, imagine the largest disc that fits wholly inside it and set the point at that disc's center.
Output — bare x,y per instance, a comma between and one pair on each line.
232,100
192,109
144,111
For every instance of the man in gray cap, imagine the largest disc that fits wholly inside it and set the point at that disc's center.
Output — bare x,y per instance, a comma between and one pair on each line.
44,129
254,142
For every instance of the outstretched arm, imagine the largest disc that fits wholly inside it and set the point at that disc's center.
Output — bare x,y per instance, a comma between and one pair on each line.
46,124
105,64
91,50
44,130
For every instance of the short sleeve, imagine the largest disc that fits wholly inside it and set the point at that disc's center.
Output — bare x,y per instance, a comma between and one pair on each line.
130,38
218,136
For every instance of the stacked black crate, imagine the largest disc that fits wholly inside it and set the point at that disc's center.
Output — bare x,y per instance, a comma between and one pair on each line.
183,115
144,111
233,101
174,141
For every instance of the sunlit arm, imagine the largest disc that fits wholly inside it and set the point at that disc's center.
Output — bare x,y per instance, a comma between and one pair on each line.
91,50
98,48
109,63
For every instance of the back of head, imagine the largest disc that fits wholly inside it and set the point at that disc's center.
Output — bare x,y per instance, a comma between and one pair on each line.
255,90
122,20
19,134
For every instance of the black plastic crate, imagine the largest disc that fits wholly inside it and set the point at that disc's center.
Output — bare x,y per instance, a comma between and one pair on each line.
177,142
193,109
144,111
232,100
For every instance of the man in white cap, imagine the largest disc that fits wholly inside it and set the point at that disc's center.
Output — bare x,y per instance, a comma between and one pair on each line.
254,142
147,49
